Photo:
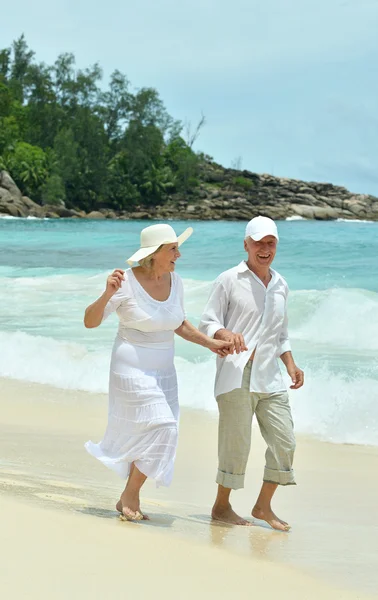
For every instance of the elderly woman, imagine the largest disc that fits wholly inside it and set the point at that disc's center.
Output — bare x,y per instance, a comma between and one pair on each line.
141,437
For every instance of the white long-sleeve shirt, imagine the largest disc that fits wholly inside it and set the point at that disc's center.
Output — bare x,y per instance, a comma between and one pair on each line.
240,302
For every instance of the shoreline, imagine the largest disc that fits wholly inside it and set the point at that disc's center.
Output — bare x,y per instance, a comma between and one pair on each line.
183,217
45,468
221,194
85,557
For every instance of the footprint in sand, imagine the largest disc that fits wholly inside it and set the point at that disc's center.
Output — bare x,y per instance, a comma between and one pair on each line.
13,472
4,481
62,484
62,499
153,502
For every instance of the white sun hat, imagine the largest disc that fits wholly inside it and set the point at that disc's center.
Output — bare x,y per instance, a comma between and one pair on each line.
154,236
260,227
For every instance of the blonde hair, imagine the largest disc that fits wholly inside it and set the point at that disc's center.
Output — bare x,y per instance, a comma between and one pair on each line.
146,263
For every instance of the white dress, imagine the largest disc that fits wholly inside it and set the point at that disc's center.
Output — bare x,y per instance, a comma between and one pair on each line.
143,402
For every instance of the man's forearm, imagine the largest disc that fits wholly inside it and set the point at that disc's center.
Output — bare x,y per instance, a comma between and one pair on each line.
287,359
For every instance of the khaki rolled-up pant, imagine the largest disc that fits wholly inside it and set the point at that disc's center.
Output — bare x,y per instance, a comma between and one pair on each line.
236,410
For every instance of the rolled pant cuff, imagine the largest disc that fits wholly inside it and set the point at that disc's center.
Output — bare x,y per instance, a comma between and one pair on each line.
230,480
279,477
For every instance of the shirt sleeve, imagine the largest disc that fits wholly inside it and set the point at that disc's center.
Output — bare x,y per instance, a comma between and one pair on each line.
284,342
115,301
213,316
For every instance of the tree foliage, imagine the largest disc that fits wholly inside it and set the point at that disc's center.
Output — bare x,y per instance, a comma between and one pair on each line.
63,137
28,166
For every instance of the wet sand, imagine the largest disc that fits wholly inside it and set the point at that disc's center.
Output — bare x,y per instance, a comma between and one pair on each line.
61,537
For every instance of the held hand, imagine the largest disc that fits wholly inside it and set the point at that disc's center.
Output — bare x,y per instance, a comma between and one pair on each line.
221,348
114,281
224,335
296,375
236,340
239,343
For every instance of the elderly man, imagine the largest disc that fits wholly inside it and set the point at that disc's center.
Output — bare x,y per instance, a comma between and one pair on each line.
247,306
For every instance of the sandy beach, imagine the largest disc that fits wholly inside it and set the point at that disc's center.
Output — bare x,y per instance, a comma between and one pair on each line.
61,537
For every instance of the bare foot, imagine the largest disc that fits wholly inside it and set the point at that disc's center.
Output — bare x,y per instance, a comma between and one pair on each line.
225,514
272,519
130,515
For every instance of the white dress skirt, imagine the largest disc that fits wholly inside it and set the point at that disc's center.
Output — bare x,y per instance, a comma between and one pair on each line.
143,397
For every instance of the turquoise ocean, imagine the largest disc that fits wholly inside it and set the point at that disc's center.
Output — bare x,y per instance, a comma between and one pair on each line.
50,270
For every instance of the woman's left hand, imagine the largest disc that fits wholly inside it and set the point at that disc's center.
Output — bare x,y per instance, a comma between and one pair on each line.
221,348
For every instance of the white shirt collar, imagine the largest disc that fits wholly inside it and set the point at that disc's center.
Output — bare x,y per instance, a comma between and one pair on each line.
243,268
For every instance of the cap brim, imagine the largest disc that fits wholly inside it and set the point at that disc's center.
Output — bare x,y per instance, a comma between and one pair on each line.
259,236
144,252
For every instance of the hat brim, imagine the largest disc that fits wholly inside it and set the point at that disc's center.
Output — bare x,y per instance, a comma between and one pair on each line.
259,236
144,252
184,236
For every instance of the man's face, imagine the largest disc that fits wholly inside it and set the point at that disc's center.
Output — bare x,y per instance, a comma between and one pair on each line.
262,253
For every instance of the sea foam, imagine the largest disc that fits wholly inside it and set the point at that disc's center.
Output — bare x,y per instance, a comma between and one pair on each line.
337,407
334,335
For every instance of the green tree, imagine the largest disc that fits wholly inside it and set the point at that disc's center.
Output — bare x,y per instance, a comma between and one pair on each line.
66,153
53,190
44,115
20,64
148,109
28,166
63,77
5,62
62,136
5,100
156,185
75,88
91,139
9,128
143,146
121,194
9,134
184,163
116,105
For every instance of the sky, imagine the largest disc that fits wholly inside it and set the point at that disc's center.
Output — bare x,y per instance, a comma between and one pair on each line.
288,87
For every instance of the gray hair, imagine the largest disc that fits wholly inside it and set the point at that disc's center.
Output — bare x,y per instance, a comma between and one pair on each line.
147,262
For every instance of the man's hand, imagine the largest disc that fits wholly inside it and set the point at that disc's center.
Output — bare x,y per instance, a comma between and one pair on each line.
220,347
296,375
236,339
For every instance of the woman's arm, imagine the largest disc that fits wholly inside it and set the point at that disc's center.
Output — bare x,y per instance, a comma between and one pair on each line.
95,311
190,333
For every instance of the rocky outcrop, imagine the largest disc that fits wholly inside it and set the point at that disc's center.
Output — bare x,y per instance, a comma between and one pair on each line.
14,204
222,194
231,194
11,199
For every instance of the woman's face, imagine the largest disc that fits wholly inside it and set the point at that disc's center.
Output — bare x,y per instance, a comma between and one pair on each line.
165,259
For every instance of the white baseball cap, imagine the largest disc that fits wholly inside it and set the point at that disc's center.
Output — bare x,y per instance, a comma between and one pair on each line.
260,227
154,236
